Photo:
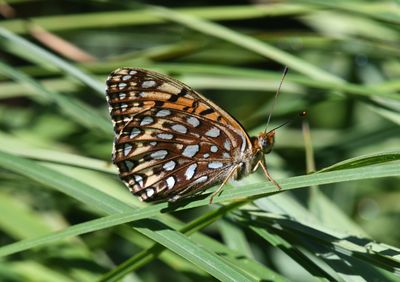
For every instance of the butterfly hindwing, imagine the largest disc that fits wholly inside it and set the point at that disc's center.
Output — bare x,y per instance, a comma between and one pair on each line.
170,141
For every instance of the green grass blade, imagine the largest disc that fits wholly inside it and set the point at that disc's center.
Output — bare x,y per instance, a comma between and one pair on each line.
25,224
173,240
193,72
365,160
247,42
73,108
355,249
127,18
314,268
89,195
235,238
53,60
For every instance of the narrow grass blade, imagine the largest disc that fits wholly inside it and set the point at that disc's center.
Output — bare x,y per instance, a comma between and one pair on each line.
247,42
73,108
89,195
164,235
132,17
53,60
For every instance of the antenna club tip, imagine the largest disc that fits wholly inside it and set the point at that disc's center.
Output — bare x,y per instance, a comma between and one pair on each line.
285,71
303,114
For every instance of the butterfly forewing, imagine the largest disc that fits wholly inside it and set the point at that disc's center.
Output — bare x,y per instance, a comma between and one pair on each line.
170,141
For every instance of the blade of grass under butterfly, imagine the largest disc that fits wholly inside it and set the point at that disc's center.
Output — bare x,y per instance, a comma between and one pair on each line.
356,249
360,161
164,235
48,177
151,253
234,237
316,269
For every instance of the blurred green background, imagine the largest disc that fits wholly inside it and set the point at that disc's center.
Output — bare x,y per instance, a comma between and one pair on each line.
56,139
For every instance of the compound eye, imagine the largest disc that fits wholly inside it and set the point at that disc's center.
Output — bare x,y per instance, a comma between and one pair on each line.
264,143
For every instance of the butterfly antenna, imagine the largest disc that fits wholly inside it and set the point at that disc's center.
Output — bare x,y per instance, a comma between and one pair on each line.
275,98
300,115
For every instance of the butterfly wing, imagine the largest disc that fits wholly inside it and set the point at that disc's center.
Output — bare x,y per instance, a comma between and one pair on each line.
170,140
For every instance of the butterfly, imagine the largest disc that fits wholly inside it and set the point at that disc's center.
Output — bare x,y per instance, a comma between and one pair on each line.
171,142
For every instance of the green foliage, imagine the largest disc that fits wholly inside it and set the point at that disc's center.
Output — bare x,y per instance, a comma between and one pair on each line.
65,216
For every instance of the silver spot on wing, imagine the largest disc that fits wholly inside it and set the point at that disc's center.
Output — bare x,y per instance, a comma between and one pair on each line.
191,150
150,192
215,165
159,155
134,132
201,179
170,182
193,121
169,165
138,180
163,113
146,120
190,171
122,85
149,83
123,106
165,136
213,132
127,149
227,144
179,128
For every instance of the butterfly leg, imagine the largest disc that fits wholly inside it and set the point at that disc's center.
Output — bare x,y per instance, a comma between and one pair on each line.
267,175
233,170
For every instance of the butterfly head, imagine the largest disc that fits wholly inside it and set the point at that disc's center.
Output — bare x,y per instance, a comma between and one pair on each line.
265,141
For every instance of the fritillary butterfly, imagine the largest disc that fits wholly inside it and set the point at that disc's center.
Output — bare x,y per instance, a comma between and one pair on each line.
171,142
